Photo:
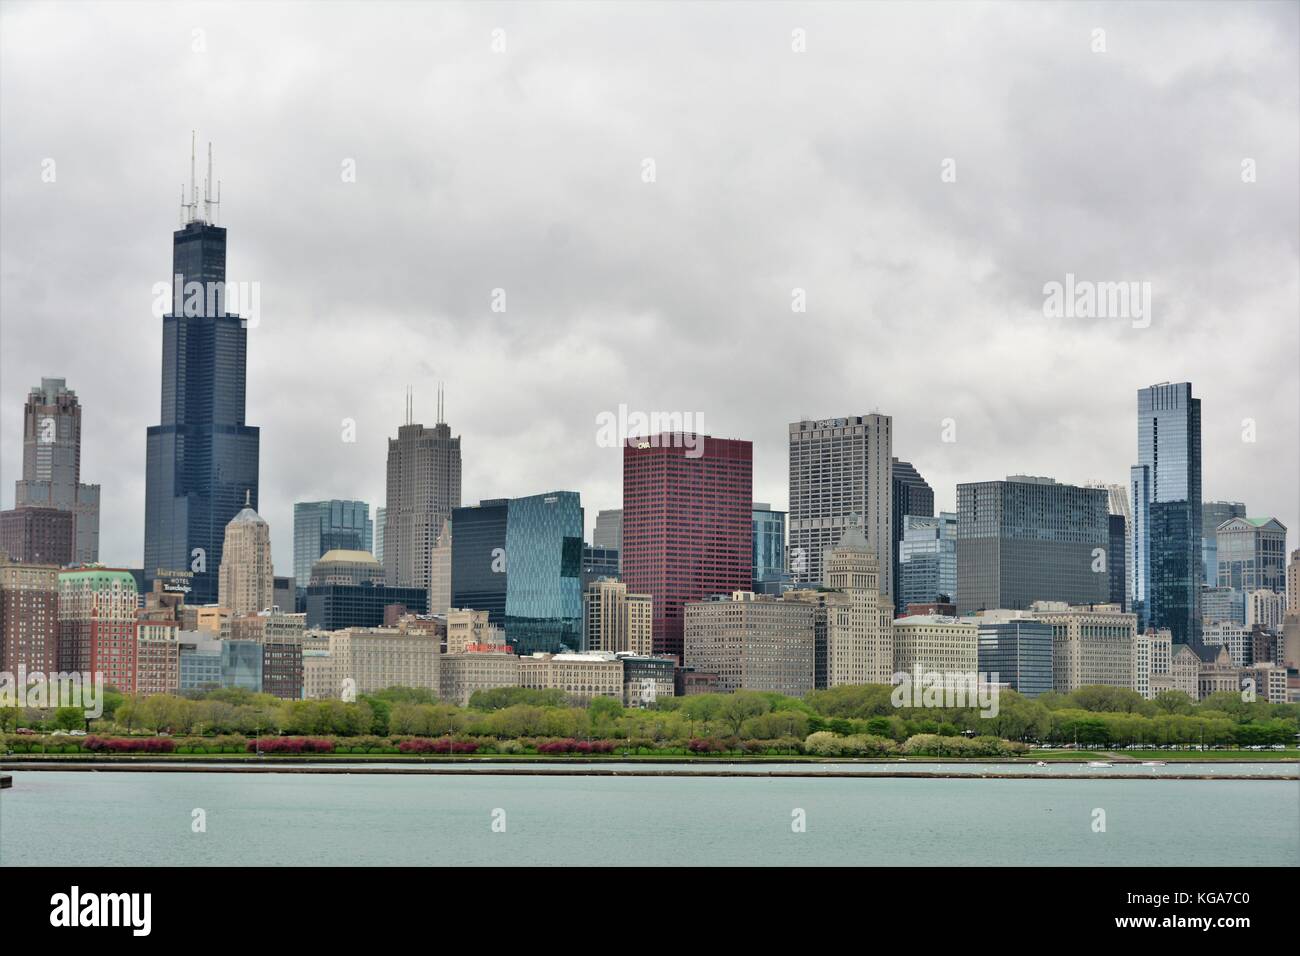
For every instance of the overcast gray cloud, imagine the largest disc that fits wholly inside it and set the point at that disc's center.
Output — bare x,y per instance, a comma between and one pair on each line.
775,170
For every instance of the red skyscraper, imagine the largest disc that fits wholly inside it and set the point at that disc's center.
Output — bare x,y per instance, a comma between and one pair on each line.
687,524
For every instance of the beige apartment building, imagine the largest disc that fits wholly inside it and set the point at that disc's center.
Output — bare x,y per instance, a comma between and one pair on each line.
369,659
752,642
29,617
614,620
319,681
246,582
1091,644
581,676
461,674
926,643
158,657
1153,654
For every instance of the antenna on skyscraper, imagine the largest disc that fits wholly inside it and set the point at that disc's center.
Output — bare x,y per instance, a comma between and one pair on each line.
208,201
190,210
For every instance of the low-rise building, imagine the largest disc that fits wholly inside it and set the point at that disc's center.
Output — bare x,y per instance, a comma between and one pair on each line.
375,658
647,679
752,642
931,643
1092,644
486,668
581,676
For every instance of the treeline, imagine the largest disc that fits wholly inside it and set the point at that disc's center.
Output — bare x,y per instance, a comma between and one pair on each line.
1092,716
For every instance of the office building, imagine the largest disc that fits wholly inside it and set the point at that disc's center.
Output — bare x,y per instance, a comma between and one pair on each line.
1153,654
647,680
910,494
380,516
38,535
375,658
469,630
1252,554
1213,514
687,525
608,532
1016,651
615,621
462,674
1265,608
859,639
52,466
321,526
1090,644
158,661
752,642
1223,604
930,643
927,560
200,660
202,457
598,563
1030,539
440,570
29,617
247,579
424,469
1167,520
769,574
841,474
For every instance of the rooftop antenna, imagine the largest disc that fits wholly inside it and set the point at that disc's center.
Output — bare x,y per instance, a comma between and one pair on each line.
440,403
208,201
190,210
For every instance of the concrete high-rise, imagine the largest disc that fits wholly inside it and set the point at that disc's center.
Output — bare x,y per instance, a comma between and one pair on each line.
202,458
616,621
29,617
97,615
1167,520
841,474
247,580
1030,539
608,532
423,487
52,465
687,525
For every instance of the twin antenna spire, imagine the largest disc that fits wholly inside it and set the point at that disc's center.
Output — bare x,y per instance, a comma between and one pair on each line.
190,210
410,404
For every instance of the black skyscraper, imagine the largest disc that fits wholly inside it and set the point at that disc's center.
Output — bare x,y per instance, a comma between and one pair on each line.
202,458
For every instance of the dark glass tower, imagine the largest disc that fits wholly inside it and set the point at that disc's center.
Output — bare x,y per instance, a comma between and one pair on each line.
202,459
1167,520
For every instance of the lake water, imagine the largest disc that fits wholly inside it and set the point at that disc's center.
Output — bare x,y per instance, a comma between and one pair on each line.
115,818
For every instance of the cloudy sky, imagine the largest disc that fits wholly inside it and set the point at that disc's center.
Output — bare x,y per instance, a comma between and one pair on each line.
1114,156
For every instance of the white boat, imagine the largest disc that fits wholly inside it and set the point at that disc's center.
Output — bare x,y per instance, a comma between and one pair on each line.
1153,763
1098,763
1041,763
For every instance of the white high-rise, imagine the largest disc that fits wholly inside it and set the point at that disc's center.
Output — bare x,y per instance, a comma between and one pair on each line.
840,475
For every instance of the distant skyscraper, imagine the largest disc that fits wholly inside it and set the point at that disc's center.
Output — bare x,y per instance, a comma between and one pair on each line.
687,524
1252,554
769,549
52,465
1213,514
909,494
423,488
247,580
381,515
38,535
841,472
608,532
202,459
1119,560
1030,539
320,526
29,617
1167,520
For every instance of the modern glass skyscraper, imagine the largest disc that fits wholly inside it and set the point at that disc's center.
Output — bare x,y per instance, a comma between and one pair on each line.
520,559
320,526
927,569
1213,514
909,494
769,549
202,459
1167,519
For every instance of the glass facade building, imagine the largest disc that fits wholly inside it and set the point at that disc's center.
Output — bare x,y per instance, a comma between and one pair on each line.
909,494
1213,514
522,561
1167,556
927,559
332,607
598,563
1019,652
769,549
202,458
320,526
1030,539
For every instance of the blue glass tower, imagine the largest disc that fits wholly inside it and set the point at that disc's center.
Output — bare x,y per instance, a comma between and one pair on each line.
768,549
1167,527
202,459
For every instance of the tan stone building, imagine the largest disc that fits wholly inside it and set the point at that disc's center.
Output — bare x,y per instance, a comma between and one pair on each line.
753,642
461,674
580,676
1091,644
616,621
1152,658
246,582
158,657
319,680
468,629
212,618
440,571
370,659
926,643
29,617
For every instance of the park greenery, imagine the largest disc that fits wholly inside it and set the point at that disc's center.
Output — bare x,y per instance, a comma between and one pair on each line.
844,721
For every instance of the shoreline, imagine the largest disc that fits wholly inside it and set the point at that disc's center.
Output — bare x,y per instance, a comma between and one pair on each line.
593,769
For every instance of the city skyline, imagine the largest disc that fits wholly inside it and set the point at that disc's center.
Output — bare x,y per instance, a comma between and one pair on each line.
375,295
